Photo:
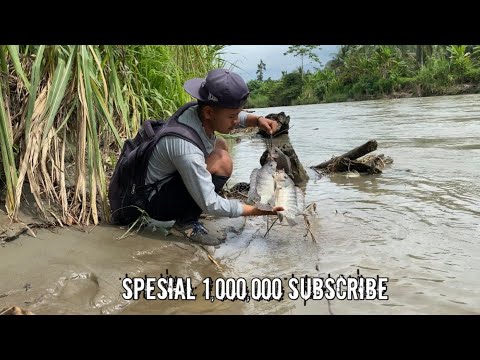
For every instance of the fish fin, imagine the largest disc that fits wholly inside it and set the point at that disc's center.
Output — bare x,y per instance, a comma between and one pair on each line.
273,200
252,192
300,200
289,165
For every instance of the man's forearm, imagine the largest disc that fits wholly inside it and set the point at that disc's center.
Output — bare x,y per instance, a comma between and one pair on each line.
252,120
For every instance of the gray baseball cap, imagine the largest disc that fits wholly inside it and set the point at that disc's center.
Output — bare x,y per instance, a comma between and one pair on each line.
221,87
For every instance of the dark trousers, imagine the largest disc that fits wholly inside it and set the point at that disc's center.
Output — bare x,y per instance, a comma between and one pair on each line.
173,201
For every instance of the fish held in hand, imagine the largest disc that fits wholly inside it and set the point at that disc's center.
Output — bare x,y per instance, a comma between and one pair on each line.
288,196
262,186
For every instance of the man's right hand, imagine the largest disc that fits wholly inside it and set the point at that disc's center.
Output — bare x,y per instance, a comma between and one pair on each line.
249,210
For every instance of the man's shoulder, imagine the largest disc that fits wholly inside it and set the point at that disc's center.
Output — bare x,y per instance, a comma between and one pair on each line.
190,116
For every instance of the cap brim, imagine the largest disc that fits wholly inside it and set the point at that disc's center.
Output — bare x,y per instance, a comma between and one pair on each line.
193,88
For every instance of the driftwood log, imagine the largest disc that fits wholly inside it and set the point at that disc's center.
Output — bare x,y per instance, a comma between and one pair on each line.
352,154
343,164
356,160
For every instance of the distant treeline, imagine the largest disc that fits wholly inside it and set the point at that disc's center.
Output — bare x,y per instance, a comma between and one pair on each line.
362,72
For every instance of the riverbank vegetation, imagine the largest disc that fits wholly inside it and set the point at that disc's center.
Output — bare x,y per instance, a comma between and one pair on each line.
365,72
65,112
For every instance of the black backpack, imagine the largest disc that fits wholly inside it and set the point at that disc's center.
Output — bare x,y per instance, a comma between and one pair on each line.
128,179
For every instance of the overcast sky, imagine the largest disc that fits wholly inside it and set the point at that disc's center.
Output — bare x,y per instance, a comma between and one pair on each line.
247,58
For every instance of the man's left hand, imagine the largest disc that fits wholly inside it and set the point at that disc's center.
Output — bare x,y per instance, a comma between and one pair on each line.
267,125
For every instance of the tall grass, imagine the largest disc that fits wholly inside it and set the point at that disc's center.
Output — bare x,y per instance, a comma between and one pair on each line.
6,138
66,110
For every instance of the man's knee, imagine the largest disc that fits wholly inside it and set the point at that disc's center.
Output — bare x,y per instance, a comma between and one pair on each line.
221,144
220,163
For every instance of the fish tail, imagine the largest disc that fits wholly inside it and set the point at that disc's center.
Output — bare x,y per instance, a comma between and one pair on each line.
280,216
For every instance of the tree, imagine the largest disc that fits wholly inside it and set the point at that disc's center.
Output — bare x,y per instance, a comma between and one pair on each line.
260,69
290,88
423,51
302,51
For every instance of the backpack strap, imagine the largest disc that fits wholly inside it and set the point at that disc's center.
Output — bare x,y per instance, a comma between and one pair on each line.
183,131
